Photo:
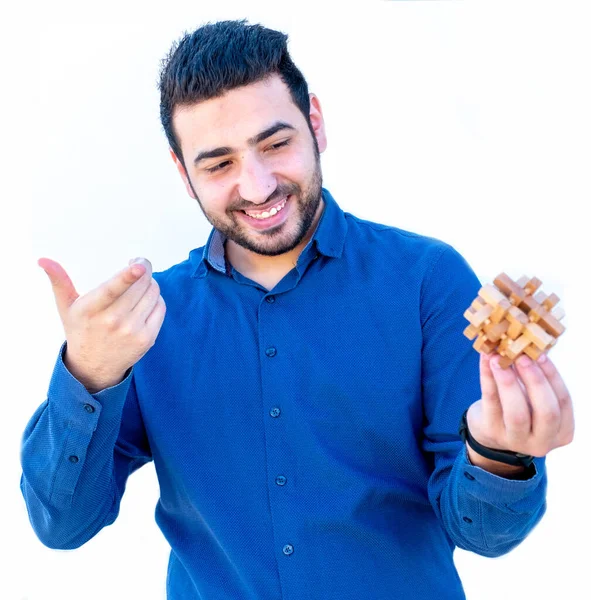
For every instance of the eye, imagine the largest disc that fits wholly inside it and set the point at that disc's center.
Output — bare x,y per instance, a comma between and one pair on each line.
217,167
280,145
273,147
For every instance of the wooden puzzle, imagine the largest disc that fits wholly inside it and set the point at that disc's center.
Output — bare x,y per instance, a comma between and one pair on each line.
508,319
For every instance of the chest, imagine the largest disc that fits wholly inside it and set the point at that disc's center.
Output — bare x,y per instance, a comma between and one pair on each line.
307,378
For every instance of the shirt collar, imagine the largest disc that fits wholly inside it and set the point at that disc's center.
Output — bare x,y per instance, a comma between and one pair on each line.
329,239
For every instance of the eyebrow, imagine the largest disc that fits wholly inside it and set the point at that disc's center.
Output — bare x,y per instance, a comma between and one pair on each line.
253,141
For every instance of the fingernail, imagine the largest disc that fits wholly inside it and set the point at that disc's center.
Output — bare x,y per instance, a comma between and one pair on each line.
494,363
524,361
135,260
542,358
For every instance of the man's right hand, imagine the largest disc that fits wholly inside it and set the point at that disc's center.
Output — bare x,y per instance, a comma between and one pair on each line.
111,327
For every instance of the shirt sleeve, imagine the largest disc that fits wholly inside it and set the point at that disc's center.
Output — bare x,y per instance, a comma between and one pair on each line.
481,512
77,452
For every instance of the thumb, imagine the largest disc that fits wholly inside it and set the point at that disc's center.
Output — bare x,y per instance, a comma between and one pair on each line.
63,289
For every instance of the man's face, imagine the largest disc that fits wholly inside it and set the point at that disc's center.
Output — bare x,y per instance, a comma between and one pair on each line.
250,150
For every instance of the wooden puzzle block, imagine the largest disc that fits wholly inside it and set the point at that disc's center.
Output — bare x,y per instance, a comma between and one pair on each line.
483,345
514,318
533,352
517,322
538,336
516,347
471,332
478,317
495,331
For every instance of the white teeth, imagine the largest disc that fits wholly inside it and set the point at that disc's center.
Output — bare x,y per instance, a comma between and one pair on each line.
268,214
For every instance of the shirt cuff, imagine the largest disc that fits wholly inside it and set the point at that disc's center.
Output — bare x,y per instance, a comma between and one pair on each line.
81,408
496,489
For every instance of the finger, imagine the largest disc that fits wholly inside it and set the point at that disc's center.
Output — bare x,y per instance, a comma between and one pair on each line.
491,403
555,380
516,409
63,289
567,419
156,317
112,290
545,408
145,305
129,301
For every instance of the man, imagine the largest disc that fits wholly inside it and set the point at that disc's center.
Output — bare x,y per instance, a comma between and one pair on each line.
301,389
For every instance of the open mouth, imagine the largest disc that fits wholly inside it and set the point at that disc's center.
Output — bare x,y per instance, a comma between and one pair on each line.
264,219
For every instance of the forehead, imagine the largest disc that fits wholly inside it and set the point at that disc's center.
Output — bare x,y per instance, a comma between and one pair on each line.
236,116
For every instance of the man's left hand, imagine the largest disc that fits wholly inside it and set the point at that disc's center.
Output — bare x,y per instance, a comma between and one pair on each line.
524,408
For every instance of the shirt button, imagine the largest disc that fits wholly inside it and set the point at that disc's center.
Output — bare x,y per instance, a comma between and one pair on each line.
270,299
287,549
280,480
270,351
275,411
73,459
89,408
468,476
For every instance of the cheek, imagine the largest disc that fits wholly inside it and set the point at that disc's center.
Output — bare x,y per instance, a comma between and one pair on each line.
213,197
302,162
297,169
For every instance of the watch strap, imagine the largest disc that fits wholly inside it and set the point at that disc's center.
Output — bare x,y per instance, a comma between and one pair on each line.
503,456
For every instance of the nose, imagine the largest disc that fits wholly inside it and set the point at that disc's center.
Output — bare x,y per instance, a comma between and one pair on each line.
256,181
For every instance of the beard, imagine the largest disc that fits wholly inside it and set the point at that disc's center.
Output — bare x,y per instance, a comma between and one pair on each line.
286,236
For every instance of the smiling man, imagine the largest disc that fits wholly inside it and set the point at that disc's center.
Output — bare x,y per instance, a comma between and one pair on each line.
298,381
264,193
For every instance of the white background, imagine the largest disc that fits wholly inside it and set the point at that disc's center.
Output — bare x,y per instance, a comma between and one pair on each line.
466,121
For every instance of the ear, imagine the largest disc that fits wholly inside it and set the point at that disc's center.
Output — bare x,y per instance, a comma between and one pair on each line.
182,172
317,121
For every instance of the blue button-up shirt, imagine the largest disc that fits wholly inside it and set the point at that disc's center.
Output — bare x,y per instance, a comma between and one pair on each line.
305,438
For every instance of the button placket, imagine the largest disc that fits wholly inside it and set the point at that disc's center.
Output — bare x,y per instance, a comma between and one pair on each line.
272,374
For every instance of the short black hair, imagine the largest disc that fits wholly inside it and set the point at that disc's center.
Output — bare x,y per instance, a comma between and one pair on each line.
222,56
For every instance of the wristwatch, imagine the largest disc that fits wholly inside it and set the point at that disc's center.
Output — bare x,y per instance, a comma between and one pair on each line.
505,456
